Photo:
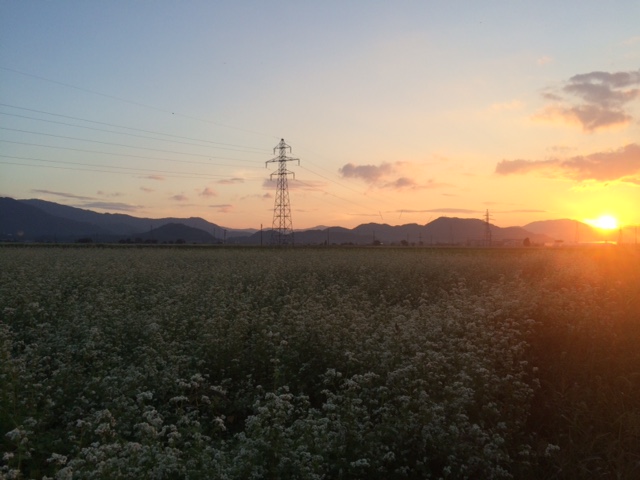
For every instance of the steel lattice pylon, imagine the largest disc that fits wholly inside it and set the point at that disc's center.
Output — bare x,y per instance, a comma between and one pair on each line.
282,227
487,229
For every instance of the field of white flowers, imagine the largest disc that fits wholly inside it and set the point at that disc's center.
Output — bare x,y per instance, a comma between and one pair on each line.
319,363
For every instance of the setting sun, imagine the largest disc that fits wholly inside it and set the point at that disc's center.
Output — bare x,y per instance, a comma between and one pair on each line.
605,222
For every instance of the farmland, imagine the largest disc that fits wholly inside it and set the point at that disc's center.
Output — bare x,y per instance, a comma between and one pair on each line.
319,363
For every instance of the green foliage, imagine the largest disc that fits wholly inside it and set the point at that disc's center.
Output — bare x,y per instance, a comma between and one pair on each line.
318,363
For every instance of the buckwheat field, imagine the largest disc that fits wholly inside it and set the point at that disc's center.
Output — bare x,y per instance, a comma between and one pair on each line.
335,363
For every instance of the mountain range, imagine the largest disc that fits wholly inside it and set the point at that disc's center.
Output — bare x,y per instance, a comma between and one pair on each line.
37,220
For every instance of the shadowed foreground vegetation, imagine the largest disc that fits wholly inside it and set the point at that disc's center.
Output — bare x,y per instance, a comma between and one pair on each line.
319,363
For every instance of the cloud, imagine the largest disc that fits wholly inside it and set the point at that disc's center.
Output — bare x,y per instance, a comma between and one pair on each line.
207,192
622,165
594,100
112,195
230,181
179,198
544,60
368,173
159,178
387,175
261,196
62,194
440,210
147,190
122,207
401,183
222,208
295,184
522,211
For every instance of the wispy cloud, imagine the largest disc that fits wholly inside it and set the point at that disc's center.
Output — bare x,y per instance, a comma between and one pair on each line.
593,100
121,207
230,181
147,190
158,178
295,184
106,194
62,194
262,196
207,192
400,183
222,208
179,198
622,165
440,210
521,211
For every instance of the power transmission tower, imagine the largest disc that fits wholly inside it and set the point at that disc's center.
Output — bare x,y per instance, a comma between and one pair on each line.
487,230
282,228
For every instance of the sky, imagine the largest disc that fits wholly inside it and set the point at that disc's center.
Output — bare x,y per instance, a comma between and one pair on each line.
399,112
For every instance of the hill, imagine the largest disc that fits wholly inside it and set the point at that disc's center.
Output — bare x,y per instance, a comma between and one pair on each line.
40,220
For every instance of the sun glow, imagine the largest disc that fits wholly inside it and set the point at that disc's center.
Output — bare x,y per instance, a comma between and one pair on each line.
605,222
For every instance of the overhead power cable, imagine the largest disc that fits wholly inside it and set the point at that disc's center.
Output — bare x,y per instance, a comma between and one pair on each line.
109,143
112,169
139,104
257,150
132,156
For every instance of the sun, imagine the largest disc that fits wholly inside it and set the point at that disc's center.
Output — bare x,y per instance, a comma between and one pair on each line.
604,222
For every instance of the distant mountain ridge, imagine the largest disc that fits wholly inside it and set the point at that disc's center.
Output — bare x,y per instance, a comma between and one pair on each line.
40,220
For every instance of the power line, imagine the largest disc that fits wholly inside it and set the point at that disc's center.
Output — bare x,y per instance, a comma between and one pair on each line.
139,104
129,172
106,143
258,150
123,133
134,156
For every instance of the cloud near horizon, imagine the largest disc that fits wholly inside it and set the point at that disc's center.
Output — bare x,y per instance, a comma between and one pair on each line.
122,207
622,165
62,194
594,100
440,210
179,198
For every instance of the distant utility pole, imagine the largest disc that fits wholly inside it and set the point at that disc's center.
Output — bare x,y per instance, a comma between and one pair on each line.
487,229
282,229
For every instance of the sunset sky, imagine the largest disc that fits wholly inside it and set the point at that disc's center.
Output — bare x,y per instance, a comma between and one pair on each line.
399,112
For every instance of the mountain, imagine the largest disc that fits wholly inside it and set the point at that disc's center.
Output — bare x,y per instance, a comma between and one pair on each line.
39,220
570,231
20,221
126,225
176,233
